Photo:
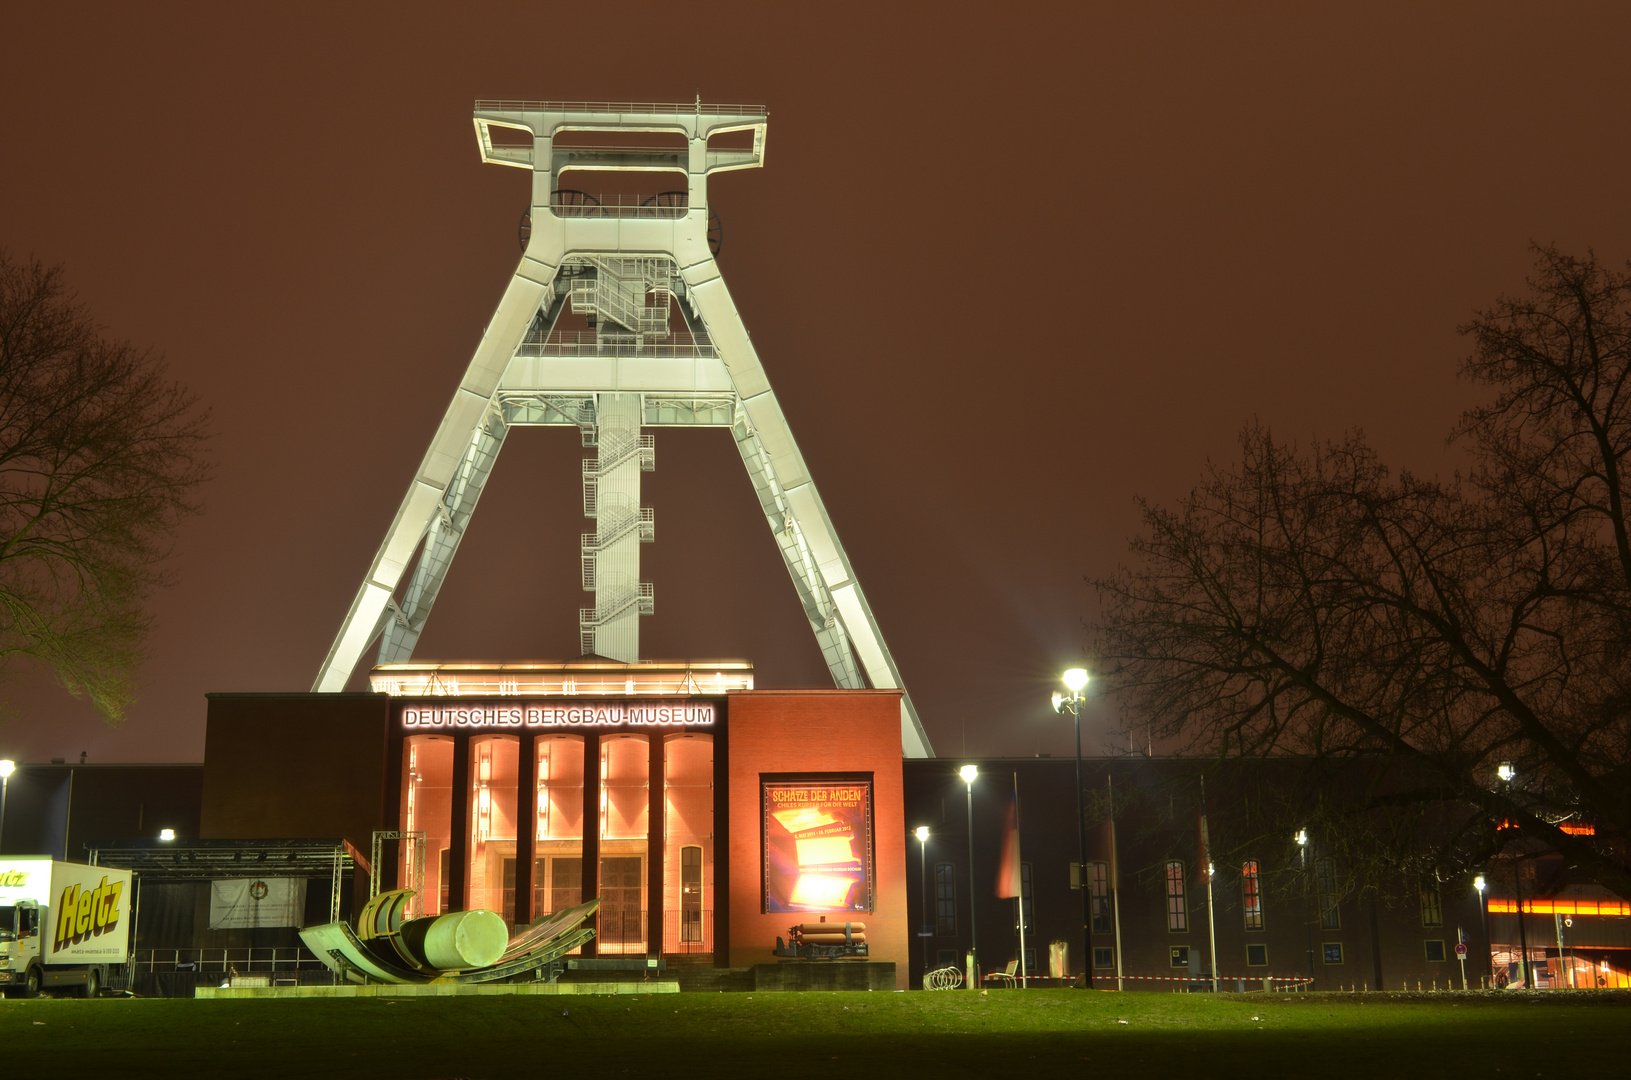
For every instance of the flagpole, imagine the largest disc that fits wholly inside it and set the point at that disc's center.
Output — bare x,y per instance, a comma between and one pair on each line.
1115,876
1212,929
1019,861
1206,854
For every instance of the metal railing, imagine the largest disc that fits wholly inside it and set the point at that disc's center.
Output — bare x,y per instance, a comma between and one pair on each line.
666,108
295,958
603,613
659,206
679,344
620,932
656,147
1229,984
564,346
645,521
609,295
688,931
610,457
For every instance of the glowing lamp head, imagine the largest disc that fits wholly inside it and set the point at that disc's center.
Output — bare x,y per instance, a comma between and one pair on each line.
1302,837
1075,679
1506,772
923,834
167,834
7,767
1479,883
1058,700
968,773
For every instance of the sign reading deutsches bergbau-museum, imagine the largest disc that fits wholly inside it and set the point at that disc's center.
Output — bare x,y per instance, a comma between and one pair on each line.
468,715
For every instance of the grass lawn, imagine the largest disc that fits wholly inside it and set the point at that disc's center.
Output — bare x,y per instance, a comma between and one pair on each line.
951,1034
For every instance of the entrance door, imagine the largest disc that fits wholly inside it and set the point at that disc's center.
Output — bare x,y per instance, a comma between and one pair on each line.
622,890
557,884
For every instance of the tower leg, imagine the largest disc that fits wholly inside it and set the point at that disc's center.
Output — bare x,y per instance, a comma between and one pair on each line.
461,427
820,569
406,620
807,582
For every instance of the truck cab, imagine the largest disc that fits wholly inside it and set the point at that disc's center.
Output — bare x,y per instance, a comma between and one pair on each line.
20,948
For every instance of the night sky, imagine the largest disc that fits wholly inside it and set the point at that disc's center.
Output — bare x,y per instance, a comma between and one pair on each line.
1007,269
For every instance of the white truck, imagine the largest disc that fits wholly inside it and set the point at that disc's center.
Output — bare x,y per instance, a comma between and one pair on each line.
62,924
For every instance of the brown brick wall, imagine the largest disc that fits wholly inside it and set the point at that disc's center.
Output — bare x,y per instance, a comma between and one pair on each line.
295,765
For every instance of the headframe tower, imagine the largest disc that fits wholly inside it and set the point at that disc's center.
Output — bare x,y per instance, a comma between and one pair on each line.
626,264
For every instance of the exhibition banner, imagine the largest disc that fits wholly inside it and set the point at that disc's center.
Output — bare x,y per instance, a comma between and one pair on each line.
818,849
242,903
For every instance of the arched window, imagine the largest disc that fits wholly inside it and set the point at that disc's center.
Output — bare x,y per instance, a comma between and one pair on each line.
1251,895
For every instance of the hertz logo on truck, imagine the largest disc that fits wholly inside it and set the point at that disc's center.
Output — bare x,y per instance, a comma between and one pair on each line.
87,912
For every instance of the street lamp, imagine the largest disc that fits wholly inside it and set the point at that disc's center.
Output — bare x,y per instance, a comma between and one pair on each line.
923,887
7,767
1308,917
968,773
1480,883
1507,774
1074,680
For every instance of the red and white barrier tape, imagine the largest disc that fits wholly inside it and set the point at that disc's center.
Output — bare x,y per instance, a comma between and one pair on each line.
1206,978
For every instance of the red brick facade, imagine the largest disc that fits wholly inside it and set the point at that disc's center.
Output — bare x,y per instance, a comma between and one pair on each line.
816,731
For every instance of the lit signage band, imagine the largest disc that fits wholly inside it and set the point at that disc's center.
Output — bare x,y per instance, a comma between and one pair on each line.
538,715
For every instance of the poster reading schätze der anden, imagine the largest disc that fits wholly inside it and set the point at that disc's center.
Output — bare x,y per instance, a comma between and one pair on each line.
818,845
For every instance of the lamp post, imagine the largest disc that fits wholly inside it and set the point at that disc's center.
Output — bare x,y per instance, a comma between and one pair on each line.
968,773
7,767
1074,680
923,887
1507,774
1308,917
1480,883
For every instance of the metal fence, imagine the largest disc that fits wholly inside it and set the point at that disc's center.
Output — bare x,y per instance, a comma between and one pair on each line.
623,932
688,931
295,958
176,972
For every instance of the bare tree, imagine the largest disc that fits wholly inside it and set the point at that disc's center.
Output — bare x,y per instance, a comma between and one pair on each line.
100,457
1311,602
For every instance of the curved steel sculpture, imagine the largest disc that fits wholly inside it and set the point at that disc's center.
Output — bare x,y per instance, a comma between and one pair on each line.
459,947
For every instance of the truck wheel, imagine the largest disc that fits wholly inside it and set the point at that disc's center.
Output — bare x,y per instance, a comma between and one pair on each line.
93,984
31,983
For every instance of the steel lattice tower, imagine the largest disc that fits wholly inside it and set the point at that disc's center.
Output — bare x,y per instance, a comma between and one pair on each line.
624,264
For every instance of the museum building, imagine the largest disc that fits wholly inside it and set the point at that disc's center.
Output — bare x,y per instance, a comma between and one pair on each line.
706,815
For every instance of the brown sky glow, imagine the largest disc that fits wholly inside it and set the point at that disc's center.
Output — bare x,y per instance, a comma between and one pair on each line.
1007,266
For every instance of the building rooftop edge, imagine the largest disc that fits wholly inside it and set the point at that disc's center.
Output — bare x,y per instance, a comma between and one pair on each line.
583,664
